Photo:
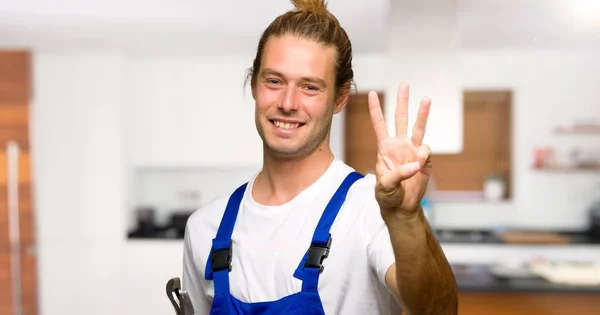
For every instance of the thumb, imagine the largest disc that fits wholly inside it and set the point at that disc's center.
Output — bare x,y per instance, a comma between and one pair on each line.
424,158
392,178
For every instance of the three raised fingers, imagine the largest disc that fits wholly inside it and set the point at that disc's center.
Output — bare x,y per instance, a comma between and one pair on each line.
378,120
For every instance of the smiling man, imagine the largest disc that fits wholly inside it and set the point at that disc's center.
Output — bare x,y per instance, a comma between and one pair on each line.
307,234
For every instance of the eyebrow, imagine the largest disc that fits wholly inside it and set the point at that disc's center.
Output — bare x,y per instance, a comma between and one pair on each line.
268,71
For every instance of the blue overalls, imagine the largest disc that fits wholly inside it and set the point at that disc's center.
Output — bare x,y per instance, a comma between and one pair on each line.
305,302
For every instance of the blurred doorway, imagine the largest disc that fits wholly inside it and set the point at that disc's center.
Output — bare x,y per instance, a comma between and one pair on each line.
360,143
18,278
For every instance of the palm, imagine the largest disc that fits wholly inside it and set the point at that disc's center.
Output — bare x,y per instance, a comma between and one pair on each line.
403,165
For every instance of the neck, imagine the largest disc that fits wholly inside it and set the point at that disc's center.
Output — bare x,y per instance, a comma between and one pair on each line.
282,179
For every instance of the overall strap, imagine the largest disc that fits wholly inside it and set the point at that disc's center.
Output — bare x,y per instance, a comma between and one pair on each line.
311,264
219,259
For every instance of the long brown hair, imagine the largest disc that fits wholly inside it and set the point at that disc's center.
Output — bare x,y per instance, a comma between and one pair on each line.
311,20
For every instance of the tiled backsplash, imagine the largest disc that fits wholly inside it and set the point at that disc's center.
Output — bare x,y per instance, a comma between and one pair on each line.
182,189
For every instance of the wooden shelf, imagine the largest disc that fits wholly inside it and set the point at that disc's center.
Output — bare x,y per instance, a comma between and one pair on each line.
564,169
590,130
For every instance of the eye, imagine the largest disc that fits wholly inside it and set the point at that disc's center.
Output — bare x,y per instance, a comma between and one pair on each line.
272,81
311,88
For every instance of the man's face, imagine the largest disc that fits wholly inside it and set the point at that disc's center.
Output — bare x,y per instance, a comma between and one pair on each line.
295,95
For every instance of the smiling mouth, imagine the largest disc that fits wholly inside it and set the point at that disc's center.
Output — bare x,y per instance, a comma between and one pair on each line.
286,125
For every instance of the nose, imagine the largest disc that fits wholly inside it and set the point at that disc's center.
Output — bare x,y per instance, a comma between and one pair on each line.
289,101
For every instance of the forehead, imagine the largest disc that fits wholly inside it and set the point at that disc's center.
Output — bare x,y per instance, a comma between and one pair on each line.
295,56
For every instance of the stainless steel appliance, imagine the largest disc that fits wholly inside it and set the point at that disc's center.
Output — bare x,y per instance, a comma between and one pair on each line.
594,221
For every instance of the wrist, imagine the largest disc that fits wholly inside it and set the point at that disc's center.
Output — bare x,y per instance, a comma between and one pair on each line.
399,219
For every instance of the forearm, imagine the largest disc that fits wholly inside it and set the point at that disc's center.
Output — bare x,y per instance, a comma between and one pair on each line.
424,279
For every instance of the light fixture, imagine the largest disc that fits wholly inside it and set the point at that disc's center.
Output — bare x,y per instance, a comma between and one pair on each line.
586,9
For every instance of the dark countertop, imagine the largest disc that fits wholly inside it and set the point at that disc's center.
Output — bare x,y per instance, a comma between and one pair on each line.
489,237
479,278
445,236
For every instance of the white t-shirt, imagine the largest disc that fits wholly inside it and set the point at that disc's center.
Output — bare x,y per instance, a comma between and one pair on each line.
270,241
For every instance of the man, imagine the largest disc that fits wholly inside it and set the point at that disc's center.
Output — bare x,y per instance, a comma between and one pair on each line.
307,234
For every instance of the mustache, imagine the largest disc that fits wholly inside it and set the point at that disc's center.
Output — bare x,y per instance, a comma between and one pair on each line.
287,113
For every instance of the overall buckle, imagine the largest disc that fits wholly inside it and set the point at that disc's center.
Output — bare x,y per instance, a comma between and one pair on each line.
221,259
317,254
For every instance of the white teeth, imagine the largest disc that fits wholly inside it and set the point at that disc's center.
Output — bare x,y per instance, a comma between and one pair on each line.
284,125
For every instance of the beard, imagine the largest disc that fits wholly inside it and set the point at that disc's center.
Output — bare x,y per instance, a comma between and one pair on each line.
301,145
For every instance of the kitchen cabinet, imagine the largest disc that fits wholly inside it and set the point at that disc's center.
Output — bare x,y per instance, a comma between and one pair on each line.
529,303
480,292
512,303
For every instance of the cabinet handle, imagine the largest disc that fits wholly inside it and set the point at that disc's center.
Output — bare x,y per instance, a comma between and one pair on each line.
12,152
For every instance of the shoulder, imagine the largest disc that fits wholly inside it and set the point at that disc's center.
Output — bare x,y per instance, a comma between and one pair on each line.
364,186
361,194
363,189
202,224
201,228
361,204
366,183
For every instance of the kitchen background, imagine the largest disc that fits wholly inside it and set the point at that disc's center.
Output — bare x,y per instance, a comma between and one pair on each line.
135,105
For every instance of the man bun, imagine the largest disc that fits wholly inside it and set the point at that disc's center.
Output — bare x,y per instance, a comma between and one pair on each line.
311,6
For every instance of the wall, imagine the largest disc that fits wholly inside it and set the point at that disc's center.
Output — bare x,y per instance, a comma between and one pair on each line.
79,182
85,264
549,89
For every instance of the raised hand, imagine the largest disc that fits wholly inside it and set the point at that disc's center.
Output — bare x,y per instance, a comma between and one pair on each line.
403,165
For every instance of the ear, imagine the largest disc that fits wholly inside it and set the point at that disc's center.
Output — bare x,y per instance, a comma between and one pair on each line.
250,82
342,99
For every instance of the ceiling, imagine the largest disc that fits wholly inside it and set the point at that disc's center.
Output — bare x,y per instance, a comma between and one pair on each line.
211,27
529,24
196,25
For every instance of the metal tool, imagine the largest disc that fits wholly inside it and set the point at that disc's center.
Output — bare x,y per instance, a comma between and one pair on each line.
179,298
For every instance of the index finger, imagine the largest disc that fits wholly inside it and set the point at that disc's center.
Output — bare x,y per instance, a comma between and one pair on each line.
377,118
